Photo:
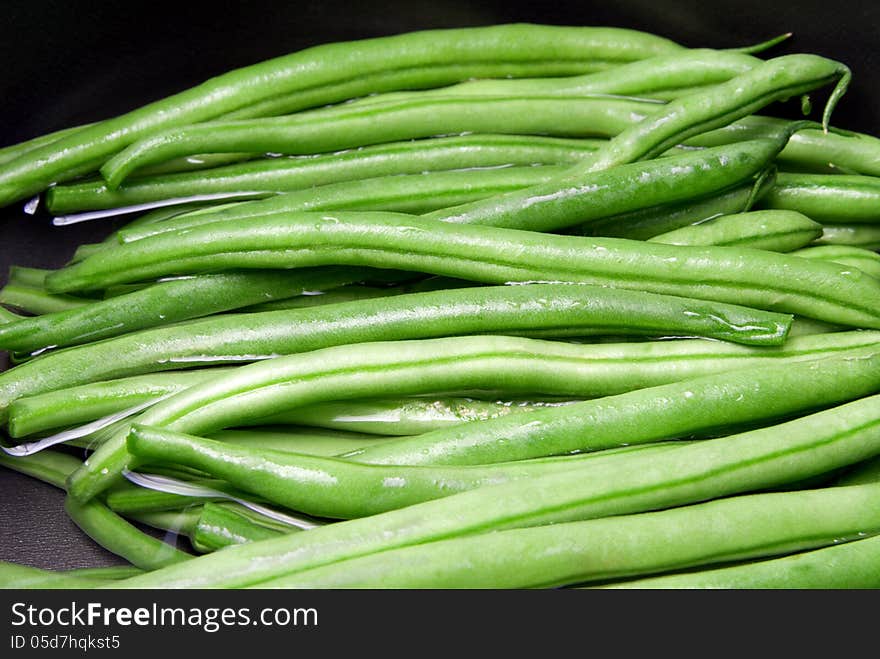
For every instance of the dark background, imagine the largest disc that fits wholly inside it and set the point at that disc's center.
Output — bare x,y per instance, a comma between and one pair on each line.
65,63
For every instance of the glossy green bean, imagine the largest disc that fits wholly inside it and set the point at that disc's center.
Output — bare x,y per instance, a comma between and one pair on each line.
535,310
70,406
292,439
269,176
406,416
338,71
663,74
219,526
180,522
849,565
329,487
697,472
167,302
52,467
489,254
735,528
827,198
7,316
866,236
773,230
680,409
864,259
35,300
652,221
13,151
773,80
513,365
404,193
357,125
118,536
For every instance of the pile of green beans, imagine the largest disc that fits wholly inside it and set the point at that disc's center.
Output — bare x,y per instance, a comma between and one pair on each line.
519,306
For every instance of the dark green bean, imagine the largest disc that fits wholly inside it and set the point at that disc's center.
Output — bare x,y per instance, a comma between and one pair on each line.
735,528
267,177
849,565
515,366
481,253
680,409
652,221
774,230
338,71
827,198
702,471
165,303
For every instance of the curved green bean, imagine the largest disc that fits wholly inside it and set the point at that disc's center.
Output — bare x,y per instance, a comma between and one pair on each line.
494,255
680,409
330,487
118,536
774,230
706,470
735,528
513,365
270,176
343,70
849,565
167,302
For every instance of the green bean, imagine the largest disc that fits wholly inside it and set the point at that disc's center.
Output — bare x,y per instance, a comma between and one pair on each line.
181,522
827,198
736,528
267,177
17,576
850,565
652,221
777,231
814,150
118,536
132,500
6,316
858,257
670,74
13,151
405,193
680,409
801,326
328,487
406,416
52,467
866,236
70,406
338,71
38,301
356,125
537,309
719,105
311,441
516,366
725,274
219,526
165,303
702,471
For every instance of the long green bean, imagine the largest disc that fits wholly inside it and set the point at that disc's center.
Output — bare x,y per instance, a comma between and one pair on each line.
516,366
735,528
827,198
763,458
680,409
864,259
726,274
338,71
